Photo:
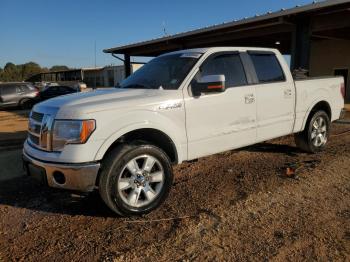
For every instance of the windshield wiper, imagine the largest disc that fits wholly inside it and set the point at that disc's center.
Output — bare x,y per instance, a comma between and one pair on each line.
137,86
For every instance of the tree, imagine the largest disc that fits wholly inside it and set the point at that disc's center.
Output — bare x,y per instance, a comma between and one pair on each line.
12,72
44,70
29,69
9,66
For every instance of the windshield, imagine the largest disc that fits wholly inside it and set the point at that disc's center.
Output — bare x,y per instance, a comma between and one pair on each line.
165,72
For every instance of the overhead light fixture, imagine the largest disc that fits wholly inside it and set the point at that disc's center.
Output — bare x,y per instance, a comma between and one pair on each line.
278,43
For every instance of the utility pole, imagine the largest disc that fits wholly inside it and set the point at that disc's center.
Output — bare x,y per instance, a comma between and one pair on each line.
95,66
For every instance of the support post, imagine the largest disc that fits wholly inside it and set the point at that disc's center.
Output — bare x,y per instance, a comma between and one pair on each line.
301,45
127,65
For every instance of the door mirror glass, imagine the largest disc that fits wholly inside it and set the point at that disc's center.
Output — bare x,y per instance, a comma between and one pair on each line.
209,84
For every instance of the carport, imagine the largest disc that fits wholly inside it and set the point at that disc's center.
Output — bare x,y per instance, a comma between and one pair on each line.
316,36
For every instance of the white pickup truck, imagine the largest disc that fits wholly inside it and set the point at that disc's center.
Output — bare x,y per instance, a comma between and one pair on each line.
178,107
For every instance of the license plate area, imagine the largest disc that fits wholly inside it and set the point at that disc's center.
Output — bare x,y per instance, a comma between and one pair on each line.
37,172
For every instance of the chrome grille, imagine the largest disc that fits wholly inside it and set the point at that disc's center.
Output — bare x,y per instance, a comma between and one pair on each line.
39,130
34,139
37,116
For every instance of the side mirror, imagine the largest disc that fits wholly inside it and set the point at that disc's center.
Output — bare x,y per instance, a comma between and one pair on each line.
209,84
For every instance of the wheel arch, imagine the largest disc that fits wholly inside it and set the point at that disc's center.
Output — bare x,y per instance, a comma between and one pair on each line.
151,135
320,105
20,101
25,99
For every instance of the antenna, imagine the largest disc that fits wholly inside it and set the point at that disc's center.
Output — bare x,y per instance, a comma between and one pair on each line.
164,29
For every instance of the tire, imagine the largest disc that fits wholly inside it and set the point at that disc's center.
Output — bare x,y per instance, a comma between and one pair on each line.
316,133
26,104
128,187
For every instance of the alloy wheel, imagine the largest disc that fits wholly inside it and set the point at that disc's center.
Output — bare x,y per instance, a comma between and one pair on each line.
319,132
140,181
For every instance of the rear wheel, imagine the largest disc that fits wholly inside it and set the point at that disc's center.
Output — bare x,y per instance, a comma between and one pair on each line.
316,133
135,179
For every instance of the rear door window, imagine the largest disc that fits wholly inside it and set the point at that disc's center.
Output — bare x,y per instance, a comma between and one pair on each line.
267,67
30,87
229,65
21,89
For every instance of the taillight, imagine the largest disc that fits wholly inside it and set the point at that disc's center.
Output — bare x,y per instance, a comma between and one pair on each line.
342,89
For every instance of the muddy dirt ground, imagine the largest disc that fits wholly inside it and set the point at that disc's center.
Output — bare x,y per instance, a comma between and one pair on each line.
235,206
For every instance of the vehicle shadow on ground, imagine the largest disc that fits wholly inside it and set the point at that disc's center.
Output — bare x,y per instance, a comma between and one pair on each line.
273,148
12,140
26,192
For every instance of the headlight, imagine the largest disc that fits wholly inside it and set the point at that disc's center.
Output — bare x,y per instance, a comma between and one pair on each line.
71,132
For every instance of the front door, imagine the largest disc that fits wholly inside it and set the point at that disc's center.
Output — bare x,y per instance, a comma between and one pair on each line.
218,122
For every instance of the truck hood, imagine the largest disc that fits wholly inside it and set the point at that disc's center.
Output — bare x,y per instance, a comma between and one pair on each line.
80,104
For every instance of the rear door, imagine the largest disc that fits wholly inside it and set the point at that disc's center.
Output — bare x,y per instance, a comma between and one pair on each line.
218,122
21,91
275,95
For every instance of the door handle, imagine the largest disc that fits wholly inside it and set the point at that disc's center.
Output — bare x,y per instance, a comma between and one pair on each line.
249,99
287,92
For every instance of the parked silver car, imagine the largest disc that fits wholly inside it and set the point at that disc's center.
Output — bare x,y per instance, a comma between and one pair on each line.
23,95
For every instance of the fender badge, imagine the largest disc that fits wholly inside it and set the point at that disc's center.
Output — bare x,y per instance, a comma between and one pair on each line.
170,105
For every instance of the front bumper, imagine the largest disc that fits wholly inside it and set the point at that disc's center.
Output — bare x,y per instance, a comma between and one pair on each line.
81,177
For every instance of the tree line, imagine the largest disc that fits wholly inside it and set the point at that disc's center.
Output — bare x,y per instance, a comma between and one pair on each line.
12,72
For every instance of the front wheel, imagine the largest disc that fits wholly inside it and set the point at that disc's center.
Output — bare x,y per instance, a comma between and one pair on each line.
316,133
135,179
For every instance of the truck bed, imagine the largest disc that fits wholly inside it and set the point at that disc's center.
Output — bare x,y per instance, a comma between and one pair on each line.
310,91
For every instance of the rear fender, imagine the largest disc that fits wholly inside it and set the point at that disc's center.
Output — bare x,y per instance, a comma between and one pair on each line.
309,110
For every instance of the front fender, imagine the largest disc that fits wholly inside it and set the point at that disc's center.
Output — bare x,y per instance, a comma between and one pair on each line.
174,128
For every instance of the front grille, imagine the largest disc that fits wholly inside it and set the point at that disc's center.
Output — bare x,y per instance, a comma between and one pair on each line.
39,130
34,139
37,116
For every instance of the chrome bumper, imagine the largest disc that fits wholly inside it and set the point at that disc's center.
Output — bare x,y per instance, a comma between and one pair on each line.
81,177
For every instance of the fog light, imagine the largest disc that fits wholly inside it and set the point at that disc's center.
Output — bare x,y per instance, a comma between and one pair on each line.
59,177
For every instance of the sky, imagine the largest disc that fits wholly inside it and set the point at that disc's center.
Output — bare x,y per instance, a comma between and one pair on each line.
64,32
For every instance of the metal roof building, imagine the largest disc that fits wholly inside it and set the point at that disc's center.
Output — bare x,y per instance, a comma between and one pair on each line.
107,76
312,34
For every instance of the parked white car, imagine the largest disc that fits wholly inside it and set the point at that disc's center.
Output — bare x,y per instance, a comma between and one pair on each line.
80,86
180,106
